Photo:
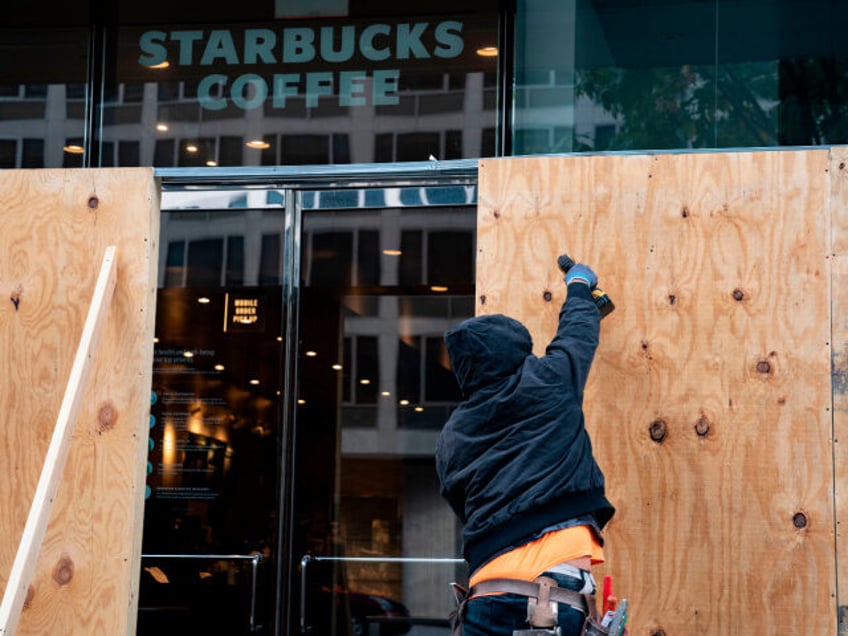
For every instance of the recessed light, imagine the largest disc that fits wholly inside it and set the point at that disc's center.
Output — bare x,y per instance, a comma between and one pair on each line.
162,127
419,409
188,354
487,51
385,393
164,64
404,402
392,252
219,367
438,288
258,144
203,300
337,367
301,401
254,381
211,163
279,338
191,148
74,149
311,354
365,381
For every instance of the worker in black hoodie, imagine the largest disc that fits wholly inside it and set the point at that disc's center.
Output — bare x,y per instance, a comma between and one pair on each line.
515,463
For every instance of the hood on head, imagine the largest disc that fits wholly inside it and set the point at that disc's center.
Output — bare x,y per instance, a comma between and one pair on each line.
485,349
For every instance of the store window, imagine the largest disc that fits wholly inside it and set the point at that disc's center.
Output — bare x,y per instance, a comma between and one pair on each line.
593,75
331,85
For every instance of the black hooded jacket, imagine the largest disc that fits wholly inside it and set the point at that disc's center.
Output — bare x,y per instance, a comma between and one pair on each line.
514,457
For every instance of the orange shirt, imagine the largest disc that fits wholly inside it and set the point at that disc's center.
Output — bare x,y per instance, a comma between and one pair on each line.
528,561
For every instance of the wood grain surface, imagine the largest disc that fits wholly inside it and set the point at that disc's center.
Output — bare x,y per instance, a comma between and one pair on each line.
709,402
56,225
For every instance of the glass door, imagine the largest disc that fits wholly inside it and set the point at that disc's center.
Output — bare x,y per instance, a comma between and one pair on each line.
383,273
211,524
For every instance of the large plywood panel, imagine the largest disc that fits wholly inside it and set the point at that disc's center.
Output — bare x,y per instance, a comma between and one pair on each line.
709,400
56,225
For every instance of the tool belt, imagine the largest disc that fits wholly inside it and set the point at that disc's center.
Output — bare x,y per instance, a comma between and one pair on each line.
543,595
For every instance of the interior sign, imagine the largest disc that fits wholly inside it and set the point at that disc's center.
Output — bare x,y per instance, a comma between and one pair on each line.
355,51
244,312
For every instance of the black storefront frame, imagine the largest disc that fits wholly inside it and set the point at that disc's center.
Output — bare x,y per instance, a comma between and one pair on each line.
457,175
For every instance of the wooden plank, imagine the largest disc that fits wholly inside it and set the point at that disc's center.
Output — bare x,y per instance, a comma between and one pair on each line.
57,453
56,226
719,346
839,316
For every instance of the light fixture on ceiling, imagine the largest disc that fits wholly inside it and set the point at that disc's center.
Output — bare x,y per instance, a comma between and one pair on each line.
161,65
392,252
211,163
162,127
257,144
74,149
487,51
204,300
191,147
438,288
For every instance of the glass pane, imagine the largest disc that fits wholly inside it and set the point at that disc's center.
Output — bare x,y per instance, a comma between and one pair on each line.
211,512
304,91
594,75
374,389
42,120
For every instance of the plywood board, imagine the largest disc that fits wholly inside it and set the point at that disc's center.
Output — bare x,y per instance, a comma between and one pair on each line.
839,303
709,399
56,226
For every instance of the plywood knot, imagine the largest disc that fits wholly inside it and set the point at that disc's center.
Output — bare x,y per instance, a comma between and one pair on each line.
482,299
764,367
658,430
799,520
16,296
684,212
63,572
547,296
107,416
93,202
702,426
738,295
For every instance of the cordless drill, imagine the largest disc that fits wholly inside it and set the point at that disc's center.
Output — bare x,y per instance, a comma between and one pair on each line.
604,303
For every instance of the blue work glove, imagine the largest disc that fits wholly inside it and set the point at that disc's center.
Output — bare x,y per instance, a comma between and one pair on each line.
583,274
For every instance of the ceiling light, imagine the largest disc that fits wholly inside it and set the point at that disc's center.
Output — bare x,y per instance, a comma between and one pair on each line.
487,51
164,64
258,144
337,367
254,381
188,354
203,300
365,381
301,401
211,163
279,338
311,354
74,149
438,288
191,148
392,252
419,409
219,367
162,127
385,393
155,339
404,402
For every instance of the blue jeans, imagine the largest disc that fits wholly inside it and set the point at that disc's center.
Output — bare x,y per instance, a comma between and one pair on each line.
499,615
